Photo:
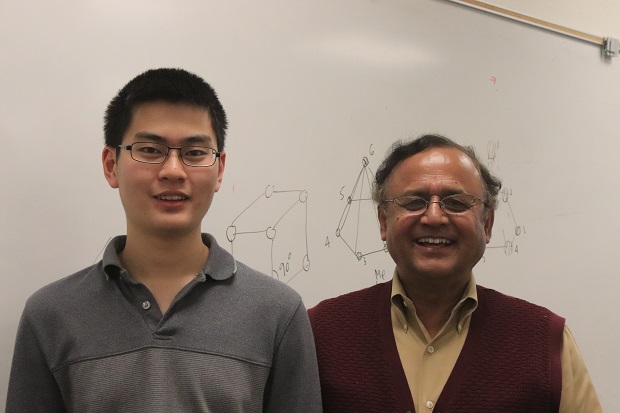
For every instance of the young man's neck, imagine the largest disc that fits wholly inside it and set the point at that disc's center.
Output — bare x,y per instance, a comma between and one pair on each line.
164,263
168,255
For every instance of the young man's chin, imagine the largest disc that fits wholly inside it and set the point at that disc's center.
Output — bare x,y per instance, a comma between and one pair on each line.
174,229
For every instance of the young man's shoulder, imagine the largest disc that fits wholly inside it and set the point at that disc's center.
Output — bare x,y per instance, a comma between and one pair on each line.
69,291
239,280
262,290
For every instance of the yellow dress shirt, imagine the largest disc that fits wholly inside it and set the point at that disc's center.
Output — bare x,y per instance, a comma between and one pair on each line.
428,361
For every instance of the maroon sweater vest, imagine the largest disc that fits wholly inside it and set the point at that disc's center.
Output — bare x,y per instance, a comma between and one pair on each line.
510,361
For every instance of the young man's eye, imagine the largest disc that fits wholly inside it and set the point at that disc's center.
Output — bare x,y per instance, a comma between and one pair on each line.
196,152
150,150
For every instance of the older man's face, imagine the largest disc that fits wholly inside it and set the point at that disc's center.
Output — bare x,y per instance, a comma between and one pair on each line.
435,243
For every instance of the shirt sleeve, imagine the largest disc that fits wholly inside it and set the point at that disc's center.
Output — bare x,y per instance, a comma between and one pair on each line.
293,384
32,387
578,393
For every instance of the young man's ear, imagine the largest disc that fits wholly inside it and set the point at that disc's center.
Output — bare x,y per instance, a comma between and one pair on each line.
108,159
220,171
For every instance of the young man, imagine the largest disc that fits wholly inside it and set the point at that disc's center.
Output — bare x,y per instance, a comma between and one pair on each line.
167,321
431,340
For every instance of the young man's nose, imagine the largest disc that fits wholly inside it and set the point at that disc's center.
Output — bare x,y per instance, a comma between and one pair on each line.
173,166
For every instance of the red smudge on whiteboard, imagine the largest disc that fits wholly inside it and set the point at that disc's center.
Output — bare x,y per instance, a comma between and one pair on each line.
493,79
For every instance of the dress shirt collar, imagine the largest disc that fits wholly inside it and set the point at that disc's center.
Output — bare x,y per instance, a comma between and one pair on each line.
405,309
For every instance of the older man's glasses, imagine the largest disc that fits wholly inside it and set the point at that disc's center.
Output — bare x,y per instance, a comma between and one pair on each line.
451,204
154,153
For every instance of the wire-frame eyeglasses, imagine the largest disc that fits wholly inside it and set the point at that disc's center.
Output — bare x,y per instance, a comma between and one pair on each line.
156,153
451,204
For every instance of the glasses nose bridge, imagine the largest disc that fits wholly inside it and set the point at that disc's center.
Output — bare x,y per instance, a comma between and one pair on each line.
429,204
169,150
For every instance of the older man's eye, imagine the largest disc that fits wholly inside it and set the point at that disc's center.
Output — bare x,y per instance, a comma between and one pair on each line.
412,203
457,203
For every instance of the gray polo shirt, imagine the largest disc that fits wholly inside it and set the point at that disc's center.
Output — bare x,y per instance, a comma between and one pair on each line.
233,340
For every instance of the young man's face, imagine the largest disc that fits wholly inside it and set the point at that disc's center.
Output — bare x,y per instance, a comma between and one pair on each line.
436,245
169,198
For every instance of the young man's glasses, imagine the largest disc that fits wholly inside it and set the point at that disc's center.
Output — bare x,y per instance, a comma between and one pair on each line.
451,204
154,153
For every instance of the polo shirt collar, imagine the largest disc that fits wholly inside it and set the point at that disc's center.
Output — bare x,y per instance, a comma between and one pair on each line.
220,265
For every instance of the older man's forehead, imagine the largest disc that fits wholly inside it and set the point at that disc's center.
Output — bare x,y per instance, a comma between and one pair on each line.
443,156
416,178
422,184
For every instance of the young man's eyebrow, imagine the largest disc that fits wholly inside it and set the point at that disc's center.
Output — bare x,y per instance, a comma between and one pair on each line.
150,136
200,138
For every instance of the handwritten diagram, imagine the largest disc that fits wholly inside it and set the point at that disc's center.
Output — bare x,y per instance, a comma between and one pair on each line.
355,228
271,234
505,217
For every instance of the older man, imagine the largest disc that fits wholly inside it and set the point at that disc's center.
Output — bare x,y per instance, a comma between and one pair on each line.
431,340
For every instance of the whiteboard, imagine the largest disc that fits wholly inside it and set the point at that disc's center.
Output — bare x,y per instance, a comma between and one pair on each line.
316,92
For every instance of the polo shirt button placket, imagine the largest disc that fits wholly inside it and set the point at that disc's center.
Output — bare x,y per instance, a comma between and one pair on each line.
146,305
